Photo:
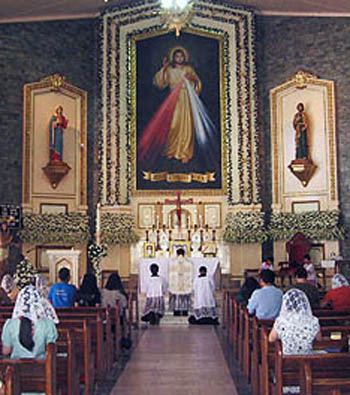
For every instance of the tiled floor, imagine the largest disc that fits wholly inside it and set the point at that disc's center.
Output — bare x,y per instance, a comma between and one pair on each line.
176,360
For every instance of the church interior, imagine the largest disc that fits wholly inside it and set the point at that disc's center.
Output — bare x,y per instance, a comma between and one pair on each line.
183,135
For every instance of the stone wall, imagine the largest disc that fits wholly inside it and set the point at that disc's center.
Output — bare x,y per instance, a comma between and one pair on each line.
318,45
30,52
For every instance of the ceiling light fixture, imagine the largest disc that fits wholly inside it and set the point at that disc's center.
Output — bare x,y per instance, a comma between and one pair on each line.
176,14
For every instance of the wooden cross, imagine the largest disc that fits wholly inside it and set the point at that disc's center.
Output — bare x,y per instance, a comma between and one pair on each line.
178,203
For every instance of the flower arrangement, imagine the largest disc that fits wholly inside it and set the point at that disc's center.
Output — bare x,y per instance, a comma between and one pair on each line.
118,229
72,228
316,225
245,228
96,253
24,273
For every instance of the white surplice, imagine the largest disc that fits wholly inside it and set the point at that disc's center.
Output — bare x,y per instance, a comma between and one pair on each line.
204,300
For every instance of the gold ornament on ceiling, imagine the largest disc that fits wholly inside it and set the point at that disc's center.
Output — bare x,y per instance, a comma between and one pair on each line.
176,14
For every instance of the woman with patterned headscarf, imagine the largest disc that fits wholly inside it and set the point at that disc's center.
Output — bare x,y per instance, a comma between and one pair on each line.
295,326
338,298
31,327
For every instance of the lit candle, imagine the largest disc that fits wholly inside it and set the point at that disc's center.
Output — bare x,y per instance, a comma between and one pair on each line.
98,224
157,221
200,221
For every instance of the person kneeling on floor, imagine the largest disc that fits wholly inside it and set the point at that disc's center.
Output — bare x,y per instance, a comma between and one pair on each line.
204,300
155,289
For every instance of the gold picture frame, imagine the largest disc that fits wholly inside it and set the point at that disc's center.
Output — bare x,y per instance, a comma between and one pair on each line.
212,215
209,249
149,250
146,215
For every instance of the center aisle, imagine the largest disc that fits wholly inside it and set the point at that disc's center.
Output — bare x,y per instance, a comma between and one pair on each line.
176,361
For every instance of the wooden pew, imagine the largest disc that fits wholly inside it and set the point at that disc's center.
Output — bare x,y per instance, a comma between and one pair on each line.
36,375
309,384
256,350
225,308
85,355
315,374
101,333
67,368
284,368
259,362
10,381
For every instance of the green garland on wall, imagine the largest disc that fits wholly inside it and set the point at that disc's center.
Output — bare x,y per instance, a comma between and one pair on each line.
316,225
245,228
118,229
72,228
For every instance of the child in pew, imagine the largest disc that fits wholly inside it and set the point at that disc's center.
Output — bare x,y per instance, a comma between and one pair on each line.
63,294
88,293
155,289
296,327
204,301
113,292
31,327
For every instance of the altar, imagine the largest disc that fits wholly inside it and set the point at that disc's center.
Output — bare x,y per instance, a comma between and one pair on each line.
212,265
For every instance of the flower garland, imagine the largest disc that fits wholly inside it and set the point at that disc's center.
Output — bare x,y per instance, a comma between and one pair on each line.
95,254
245,228
316,225
72,228
118,229
24,273
119,25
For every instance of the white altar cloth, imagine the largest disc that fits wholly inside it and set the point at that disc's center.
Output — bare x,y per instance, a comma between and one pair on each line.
212,265
330,264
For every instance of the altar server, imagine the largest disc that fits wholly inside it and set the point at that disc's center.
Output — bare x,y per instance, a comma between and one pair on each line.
155,289
204,300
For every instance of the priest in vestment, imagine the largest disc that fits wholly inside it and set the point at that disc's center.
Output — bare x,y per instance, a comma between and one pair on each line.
180,284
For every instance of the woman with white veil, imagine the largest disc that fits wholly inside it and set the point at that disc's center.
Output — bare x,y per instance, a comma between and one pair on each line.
295,326
31,327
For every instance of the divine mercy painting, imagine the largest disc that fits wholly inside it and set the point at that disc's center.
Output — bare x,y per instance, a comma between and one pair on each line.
178,112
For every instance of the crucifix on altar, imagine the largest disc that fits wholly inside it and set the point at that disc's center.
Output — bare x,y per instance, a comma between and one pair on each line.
178,202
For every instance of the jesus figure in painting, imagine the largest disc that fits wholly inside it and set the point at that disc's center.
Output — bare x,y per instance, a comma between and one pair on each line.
181,120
